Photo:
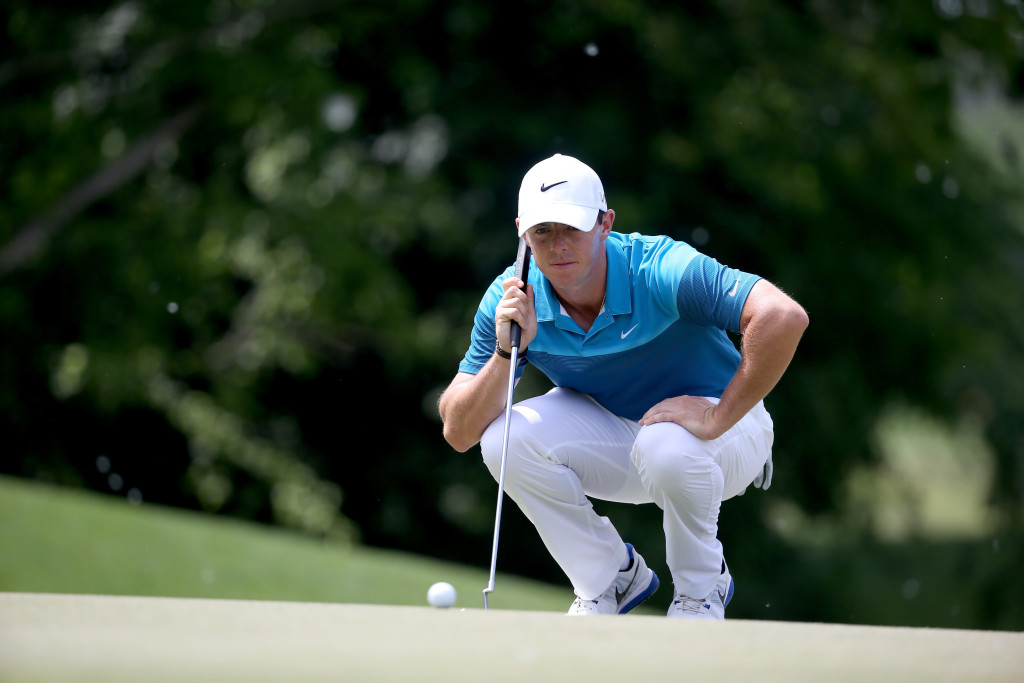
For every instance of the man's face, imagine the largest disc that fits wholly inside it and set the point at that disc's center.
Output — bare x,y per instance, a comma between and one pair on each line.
568,257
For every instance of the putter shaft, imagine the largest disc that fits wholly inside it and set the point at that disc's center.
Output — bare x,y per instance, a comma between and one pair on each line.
501,476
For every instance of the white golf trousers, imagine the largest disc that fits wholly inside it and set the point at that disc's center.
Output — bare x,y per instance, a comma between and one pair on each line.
564,447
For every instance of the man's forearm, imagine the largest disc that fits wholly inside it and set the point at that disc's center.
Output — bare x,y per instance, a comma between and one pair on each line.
769,344
472,402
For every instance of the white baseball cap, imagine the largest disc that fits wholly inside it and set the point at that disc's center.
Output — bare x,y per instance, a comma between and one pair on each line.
560,189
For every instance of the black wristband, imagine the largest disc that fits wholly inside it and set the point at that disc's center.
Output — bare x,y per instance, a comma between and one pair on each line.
505,354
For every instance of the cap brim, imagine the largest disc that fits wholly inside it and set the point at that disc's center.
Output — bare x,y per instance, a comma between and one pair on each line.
580,217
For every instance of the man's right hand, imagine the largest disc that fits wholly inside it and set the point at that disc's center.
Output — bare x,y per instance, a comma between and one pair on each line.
515,305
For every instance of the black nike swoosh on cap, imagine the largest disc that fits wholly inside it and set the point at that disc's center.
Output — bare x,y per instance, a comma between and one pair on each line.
545,188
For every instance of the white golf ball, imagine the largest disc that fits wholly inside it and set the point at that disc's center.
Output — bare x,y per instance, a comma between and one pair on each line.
441,594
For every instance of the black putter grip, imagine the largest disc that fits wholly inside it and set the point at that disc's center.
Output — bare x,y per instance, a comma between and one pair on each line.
522,272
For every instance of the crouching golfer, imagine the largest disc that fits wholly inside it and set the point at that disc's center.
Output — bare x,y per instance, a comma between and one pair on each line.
652,401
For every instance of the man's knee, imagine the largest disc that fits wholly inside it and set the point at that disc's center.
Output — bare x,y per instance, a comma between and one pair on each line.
493,442
669,455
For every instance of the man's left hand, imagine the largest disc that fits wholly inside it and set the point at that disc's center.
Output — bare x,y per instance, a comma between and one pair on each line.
696,414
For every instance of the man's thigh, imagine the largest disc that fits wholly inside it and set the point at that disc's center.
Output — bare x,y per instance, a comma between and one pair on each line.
571,429
668,454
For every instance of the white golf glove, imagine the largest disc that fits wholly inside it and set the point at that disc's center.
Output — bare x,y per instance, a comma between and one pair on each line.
764,479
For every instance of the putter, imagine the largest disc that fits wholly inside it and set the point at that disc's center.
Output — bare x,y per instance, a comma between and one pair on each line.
522,271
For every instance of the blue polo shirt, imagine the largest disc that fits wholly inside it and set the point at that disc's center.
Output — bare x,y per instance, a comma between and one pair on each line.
661,332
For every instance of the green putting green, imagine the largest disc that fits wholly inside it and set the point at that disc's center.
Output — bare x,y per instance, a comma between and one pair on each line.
78,638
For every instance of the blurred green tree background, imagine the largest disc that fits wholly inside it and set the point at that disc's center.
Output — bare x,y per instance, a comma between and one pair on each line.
241,243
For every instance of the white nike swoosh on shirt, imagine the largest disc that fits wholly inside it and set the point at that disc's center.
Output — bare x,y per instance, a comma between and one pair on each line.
627,332
735,288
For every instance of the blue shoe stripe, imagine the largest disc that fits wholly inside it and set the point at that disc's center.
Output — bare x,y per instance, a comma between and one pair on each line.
728,595
629,551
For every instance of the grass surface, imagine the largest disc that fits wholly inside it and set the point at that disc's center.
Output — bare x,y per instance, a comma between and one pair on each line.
55,540
58,638
282,621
